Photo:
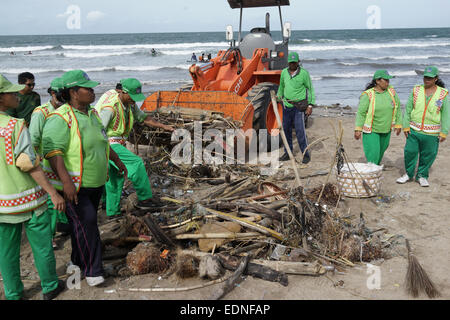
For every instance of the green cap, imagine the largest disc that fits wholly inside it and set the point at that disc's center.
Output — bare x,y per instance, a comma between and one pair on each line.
7,87
382,74
77,78
56,84
431,72
293,57
133,87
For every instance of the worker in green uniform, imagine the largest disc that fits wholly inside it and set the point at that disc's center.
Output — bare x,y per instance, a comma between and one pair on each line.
425,125
76,149
23,196
297,93
378,113
36,126
118,110
28,99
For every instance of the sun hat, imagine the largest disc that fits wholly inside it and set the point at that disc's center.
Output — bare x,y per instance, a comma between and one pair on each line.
133,87
56,84
293,57
431,72
382,74
7,87
77,78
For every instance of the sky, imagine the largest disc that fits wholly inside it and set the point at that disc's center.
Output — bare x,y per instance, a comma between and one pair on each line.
26,17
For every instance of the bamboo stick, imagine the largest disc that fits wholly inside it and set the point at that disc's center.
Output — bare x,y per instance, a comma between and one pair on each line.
227,235
283,137
247,224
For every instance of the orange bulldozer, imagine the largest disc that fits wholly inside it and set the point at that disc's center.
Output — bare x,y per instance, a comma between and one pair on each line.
237,82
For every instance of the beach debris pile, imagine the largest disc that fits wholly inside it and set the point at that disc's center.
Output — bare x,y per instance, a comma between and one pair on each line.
216,218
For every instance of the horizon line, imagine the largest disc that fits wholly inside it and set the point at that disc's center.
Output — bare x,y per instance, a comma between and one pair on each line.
72,34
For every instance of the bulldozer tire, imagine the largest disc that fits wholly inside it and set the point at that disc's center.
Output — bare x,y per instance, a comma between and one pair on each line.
262,103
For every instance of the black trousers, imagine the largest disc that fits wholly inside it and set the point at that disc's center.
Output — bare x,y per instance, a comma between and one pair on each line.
85,236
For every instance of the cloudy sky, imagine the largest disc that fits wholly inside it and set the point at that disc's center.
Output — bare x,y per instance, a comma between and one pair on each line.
130,16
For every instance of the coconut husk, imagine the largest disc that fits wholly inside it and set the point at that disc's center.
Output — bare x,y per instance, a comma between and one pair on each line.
146,258
187,266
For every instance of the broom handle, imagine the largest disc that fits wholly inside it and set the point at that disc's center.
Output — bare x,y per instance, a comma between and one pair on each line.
408,246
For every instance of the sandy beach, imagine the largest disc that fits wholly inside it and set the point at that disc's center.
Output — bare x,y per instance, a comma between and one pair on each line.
419,214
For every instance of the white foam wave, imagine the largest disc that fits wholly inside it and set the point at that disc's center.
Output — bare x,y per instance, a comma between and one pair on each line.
369,46
95,69
25,49
97,54
147,46
362,75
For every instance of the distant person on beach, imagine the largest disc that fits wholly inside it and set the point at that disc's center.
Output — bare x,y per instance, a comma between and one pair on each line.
297,94
425,124
378,113
118,111
153,52
23,196
200,58
29,99
36,127
12,53
194,57
77,151
209,56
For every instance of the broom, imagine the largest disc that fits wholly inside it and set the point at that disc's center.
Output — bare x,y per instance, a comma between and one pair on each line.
417,279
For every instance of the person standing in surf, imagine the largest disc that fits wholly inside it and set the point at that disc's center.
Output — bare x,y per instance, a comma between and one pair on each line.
378,113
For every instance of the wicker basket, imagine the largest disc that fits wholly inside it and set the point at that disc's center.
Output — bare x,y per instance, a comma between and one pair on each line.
350,180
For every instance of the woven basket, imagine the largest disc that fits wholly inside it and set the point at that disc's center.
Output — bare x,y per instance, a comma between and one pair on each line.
350,180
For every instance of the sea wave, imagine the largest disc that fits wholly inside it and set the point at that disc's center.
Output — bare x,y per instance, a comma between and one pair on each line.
370,46
147,46
99,69
362,74
26,49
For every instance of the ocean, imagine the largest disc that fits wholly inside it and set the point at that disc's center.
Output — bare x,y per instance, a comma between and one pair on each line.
340,62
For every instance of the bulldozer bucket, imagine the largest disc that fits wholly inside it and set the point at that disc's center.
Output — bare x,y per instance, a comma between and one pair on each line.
227,103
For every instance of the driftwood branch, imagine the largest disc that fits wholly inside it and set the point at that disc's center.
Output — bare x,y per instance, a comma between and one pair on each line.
230,283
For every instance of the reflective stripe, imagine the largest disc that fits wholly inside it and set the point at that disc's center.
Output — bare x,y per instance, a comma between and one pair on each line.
428,128
37,197
50,171
7,134
20,195
117,140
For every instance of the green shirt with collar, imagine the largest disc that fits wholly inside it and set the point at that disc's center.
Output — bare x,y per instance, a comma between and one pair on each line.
28,102
294,87
106,114
37,125
56,137
382,118
23,145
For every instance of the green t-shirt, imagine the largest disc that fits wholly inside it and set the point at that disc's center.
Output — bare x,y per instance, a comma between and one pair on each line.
294,87
37,125
382,118
28,102
56,137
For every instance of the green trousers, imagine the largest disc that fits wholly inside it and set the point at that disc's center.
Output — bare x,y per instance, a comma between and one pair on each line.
423,146
40,237
375,144
55,216
137,174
